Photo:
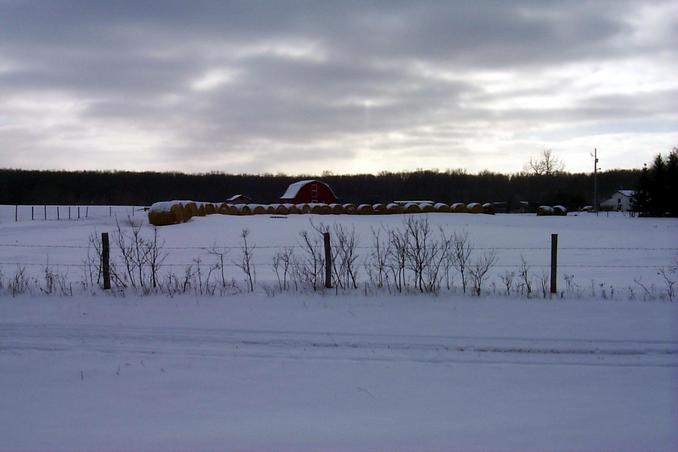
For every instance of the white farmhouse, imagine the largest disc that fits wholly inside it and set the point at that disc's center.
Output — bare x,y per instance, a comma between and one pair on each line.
620,201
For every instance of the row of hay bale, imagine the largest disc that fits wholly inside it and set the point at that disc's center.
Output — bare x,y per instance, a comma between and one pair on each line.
174,212
543,211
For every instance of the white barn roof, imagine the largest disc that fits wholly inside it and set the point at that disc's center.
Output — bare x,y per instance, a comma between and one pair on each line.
294,188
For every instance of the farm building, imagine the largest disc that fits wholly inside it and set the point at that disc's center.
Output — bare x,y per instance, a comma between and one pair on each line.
239,199
308,191
620,201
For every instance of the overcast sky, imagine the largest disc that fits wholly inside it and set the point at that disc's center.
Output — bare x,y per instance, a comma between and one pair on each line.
341,86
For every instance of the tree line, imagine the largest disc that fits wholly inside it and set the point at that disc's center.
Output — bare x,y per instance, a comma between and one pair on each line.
657,193
573,190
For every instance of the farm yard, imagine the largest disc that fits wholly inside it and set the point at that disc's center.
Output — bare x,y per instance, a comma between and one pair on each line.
218,365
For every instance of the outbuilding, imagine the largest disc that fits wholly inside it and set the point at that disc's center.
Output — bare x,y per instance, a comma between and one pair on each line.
309,191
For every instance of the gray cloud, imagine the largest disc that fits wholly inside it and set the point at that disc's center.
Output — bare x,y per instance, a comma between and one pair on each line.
257,82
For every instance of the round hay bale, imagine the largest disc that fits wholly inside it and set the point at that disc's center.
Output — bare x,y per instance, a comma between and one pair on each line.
560,210
291,208
543,211
488,208
441,207
412,207
243,209
304,208
349,208
201,209
227,209
190,209
210,209
257,209
426,207
165,213
474,207
394,208
336,208
458,207
281,209
365,209
379,209
320,209
270,209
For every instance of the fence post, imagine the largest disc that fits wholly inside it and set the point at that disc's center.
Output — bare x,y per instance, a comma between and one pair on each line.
32,213
87,212
58,213
328,260
554,263
44,208
78,212
105,256
16,213
69,212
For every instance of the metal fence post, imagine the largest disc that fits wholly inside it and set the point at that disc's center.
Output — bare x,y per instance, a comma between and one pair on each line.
554,263
105,257
328,260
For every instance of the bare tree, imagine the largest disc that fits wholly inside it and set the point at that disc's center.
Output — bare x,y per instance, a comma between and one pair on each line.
246,263
546,164
479,269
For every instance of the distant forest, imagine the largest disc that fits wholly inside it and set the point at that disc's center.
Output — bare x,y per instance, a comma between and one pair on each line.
143,188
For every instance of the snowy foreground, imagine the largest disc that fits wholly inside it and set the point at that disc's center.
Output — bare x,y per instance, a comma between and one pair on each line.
251,372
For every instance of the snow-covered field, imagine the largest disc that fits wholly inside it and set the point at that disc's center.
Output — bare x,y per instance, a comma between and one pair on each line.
595,252
337,373
304,371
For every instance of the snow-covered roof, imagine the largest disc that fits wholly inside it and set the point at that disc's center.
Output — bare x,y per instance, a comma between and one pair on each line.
294,188
627,193
237,197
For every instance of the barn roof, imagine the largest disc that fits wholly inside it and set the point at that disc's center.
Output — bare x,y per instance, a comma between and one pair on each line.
294,188
627,193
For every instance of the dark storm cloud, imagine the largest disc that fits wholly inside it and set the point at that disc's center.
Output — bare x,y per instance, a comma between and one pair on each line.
227,78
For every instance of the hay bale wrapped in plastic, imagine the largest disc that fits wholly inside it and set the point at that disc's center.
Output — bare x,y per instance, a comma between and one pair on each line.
560,210
393,208
349,208
543,211
209,208
291,208
165,213
474,207
336,208
488,208
441,207
458,207
320,209
364,209
257,209
412,207
270,209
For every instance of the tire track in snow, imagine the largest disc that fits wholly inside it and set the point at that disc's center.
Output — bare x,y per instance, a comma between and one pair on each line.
272,344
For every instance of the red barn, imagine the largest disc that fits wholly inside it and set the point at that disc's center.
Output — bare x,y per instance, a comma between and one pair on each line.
306,191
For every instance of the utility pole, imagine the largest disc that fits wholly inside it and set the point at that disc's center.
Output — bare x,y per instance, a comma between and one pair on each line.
595,180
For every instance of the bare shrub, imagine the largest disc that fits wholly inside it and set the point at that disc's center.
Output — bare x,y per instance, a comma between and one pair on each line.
246,263
479,269
525,284
461,253
376,264
282,262
507,280
344,256
669,277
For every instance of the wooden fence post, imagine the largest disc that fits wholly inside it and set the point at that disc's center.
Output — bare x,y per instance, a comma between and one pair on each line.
32,213
87,212
58,213
16,213
69,212
105,257
554,263
44,208
328,260
78,212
